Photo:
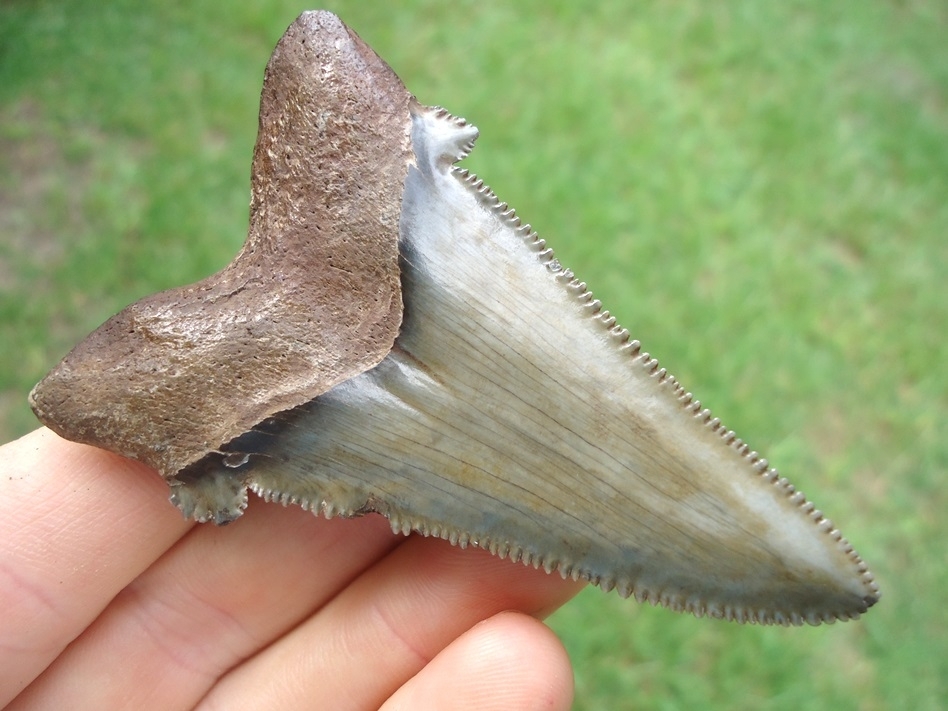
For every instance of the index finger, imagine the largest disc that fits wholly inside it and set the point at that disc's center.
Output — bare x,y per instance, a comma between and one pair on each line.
77,525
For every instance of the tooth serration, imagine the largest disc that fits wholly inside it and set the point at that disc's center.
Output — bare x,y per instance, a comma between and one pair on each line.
603,322
512,412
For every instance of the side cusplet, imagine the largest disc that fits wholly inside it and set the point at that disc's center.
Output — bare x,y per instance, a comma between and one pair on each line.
513,414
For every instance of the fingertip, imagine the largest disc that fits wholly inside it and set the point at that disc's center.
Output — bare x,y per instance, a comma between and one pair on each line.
538,663
510,661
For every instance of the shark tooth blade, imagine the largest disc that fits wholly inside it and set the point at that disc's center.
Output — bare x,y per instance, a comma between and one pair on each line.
514,415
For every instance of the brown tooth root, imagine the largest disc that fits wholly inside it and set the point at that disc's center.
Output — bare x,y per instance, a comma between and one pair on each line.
511,412
312,299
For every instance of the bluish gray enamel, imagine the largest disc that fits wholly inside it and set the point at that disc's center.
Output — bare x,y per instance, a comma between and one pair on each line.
509,416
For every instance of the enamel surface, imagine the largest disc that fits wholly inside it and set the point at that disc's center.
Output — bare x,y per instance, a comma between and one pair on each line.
513,414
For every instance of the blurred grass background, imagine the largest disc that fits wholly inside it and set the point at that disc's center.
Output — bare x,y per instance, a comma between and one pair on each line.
759,192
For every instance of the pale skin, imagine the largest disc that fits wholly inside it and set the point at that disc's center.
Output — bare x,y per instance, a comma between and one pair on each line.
111,600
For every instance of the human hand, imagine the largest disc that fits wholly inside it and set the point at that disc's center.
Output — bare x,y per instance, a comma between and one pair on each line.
111,600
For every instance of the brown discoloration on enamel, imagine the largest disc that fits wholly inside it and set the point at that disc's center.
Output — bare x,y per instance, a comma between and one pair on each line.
312,299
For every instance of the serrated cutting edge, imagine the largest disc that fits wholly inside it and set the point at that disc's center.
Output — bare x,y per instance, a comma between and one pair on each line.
515,415
511,412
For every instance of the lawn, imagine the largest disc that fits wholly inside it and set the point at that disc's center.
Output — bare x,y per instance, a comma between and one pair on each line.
758,191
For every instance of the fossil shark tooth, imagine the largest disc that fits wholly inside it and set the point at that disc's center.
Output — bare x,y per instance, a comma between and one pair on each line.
510,413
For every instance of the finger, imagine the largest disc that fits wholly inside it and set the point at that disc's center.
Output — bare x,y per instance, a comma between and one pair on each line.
220,595
383,629
77,525
510,662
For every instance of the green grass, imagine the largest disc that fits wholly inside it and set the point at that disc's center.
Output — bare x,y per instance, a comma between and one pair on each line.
759,192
